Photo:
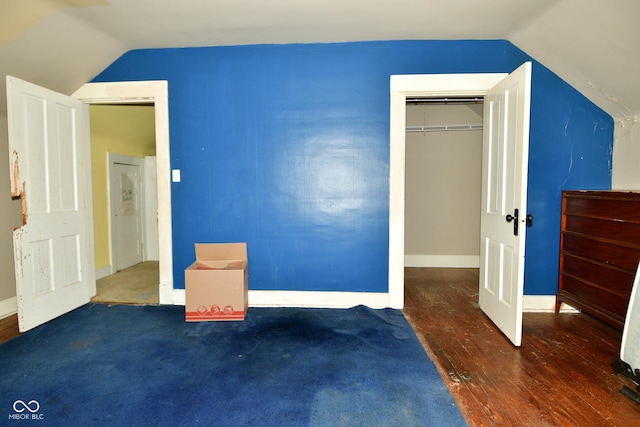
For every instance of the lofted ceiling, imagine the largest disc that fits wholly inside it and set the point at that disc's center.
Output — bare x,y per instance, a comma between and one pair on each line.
62,44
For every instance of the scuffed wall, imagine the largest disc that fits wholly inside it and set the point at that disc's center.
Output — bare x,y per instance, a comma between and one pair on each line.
626,155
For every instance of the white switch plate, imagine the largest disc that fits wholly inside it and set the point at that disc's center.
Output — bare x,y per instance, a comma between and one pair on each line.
175,175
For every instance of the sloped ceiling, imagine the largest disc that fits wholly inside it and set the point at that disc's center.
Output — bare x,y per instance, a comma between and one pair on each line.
61,44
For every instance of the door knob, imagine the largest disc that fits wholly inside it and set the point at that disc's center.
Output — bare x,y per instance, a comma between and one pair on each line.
514,218
529,220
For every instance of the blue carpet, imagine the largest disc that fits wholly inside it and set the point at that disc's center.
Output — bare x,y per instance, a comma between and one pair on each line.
144,365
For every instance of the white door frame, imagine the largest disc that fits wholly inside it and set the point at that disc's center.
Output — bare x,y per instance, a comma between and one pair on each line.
156,93
402,87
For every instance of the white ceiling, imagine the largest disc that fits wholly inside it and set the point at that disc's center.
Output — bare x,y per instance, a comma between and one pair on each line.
592,44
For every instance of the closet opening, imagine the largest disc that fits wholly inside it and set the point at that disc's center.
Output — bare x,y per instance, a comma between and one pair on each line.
443,181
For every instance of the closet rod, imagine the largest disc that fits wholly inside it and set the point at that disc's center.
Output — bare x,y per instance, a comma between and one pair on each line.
466,100
443,128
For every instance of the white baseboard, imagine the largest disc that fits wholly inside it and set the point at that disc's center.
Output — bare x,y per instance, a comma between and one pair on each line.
8,307
178,297
318,299
313,299
103,272
543,304
448,261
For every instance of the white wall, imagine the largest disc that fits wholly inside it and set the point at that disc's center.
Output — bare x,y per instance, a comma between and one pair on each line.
626,155
443,188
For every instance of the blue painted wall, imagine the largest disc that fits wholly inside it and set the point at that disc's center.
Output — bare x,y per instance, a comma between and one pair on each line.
286,147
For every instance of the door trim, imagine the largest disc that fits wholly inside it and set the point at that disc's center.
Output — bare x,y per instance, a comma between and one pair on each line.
156,93
402,87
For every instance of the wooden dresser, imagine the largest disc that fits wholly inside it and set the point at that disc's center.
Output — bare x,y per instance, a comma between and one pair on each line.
599,252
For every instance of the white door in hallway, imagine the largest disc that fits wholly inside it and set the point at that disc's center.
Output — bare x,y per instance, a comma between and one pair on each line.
504,201
126,195
53,249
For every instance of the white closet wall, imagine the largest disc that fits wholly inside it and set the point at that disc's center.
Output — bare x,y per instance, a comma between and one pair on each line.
443,186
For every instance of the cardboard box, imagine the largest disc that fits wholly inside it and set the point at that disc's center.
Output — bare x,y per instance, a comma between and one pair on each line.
216,284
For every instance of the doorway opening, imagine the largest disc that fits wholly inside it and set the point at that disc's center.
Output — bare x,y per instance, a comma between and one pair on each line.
131,234
155,95
443,183
504,186
402,88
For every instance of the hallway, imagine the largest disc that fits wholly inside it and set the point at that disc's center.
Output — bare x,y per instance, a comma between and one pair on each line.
134,285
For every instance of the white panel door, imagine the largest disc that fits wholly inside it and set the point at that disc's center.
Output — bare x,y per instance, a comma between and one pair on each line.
630,345
49,146
504,201
125,179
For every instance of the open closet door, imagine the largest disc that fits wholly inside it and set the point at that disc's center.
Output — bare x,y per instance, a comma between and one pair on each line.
53,249
504,201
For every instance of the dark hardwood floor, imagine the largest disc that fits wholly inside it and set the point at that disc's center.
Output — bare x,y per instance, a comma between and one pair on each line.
560,376
8,328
